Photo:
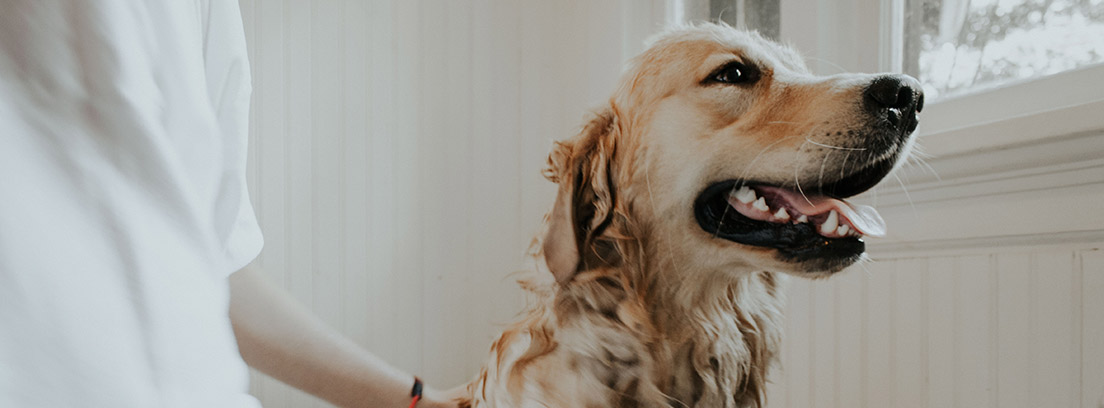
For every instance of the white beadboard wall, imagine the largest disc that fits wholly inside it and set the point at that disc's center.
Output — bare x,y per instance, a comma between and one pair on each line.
998,328
395,169
989,290
396,150
989,293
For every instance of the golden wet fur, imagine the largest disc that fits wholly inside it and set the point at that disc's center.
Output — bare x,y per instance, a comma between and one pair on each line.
634,304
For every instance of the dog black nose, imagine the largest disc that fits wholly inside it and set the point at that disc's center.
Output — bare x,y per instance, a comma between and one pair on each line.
894,91
897,97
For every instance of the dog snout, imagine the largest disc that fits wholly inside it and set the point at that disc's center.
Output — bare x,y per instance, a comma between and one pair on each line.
897,98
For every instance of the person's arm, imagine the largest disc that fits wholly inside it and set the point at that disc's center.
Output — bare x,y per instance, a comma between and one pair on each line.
281,339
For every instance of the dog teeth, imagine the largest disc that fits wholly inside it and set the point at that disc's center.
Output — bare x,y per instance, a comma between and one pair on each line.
761,204
744,195
830,224
802,219
782,214
843,230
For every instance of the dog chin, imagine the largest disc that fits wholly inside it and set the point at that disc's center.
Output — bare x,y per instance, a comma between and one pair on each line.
821,268
814,268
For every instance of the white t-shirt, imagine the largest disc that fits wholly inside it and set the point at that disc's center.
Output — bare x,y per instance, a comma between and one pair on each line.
123,204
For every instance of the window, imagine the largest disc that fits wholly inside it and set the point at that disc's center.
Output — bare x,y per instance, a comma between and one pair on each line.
997,73
960,46
757,15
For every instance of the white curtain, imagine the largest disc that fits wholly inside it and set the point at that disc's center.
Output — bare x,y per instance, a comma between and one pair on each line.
952,15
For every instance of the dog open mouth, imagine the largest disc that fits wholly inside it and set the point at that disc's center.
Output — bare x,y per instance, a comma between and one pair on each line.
803,223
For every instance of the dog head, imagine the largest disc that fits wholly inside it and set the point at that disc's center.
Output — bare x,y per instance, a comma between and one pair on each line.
720,151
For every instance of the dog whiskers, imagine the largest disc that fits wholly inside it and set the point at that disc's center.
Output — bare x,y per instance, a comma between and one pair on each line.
930,169
865,259
683,404
918,161
720,18
907,196
830,63
823,164
720,223
651,201
749,166
807,139
797,180
843,166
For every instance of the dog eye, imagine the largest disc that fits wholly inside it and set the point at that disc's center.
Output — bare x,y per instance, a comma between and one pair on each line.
733,73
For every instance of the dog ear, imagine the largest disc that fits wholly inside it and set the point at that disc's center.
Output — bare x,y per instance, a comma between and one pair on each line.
585,201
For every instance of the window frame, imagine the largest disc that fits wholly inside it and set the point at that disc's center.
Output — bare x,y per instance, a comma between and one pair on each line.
1015,112
868,36
1012,113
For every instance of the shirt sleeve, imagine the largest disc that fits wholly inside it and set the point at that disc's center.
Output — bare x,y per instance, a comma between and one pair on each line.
229,89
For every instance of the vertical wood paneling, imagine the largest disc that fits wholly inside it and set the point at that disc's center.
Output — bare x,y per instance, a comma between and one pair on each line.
298,153
1092,329
396,156
850,371
824,316
1054,341
446,76
1015,326
542,110
1018,329
798,348
269,131
355,299
971,328
878,357
403,317
910,339
942,355
495,184
777,385
327,148
382,137
298,218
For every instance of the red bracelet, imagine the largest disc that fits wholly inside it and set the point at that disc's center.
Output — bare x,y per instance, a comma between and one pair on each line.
416,392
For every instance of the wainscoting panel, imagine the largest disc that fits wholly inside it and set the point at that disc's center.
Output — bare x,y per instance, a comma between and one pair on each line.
996,328
988,290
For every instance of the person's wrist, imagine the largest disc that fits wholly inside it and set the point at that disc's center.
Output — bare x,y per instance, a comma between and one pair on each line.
430,399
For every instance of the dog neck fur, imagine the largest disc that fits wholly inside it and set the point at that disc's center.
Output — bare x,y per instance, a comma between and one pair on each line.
725,330
637,337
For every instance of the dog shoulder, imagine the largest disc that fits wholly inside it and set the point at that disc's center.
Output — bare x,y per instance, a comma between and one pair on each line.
588,343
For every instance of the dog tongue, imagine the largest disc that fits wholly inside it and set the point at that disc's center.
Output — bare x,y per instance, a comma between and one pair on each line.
863,218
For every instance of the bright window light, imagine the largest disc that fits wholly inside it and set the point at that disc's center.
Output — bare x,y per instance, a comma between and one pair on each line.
959,46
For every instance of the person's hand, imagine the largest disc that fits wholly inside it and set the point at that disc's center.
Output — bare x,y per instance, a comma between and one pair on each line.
444,398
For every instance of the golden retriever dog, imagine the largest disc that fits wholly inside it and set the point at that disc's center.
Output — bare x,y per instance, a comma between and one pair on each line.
719,164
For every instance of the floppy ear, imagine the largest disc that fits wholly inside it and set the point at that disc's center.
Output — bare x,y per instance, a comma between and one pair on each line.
585,202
